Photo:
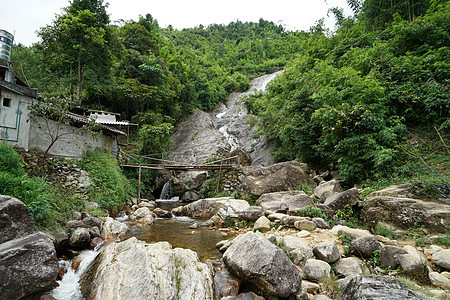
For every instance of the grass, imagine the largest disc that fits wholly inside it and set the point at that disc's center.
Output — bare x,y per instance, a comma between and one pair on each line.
444,241
385,230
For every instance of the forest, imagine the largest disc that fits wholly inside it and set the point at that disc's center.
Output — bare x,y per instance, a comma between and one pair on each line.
347,99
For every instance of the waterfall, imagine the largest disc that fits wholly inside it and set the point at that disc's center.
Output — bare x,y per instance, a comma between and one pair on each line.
69,288
167,190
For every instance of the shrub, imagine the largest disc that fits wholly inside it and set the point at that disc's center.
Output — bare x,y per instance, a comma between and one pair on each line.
311,211
10,161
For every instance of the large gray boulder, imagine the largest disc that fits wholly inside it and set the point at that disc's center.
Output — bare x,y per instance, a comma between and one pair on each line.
143,216
351,266
275,178
113,229
232,208
28,262
364,246
255,260
442,259
340,200
327,251
289,202
80,238
133,269
203,208
396,206
316,270
326,189
379,288
413,261
389,256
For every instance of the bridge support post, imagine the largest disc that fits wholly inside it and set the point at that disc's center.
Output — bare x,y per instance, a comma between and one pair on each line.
139,182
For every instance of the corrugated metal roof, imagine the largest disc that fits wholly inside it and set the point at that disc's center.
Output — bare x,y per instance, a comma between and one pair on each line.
84,120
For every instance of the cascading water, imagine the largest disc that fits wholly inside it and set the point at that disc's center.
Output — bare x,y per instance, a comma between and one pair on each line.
69,288
167,190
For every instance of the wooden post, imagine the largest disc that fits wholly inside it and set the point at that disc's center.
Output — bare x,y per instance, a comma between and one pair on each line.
218,179
139,183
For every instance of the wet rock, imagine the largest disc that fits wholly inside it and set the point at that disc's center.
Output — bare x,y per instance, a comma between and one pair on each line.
76,263
142,216
341,200
396,206
262,224
439,280
28,262
266,267
95,242
252,213
379,287
442,259
94,232
389,256
327,251
61,241
289,202
47,297
189,196
316,270
321,223
275,178
351,232
80,238
326,189
225,285
305,225
364,246
133,269
194,226
351,266
113,229
161,213
413,261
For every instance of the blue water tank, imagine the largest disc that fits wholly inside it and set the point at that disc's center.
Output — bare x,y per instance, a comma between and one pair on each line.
6,44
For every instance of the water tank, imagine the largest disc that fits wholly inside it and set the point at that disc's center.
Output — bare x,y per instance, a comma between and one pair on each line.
6,44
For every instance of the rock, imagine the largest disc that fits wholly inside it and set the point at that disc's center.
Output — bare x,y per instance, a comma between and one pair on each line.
225,285
95,242
76,215
351,232
76,263
293,242
209,205
305,225
302,294
327,251
413,261
90,205
149,205
262,224
311,287
161,213
199,179
61,241
301,254
94,232
321,297
252,213
316,270
92,221
303,233
28,262
142,216
80,238
439,280
321,223
442,259
189,196
290,220
113,229
432,249
351,266
326,189
75,224
289,202
194,226
379,287
387,241
396,206
446,274
231,209
275,178
389,256
341,200
364,246
257,261
133,269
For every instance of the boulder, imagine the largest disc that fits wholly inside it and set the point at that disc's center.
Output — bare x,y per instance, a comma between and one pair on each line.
92,221
257,261
341,200
143,216
161,213
316,270
275,178
289,202
203,206
365,246
351,232
225,284
252,213
442,259
351,266
133,269
262,224
74,224
189,196
80,238
293,242
394,207
379,287
28,262
149,204
321,223
113,229
305,225
439,280
231,209
326,189
327,251
413,261
301,254
389,256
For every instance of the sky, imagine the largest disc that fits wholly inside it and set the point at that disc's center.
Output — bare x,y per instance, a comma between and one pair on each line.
24,17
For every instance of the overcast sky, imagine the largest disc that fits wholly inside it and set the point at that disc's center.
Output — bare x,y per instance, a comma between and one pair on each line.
24,17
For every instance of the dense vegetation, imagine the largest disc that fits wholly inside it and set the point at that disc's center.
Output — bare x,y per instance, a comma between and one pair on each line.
346,100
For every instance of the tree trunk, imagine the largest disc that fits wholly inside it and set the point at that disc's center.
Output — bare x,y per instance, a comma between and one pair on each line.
80,82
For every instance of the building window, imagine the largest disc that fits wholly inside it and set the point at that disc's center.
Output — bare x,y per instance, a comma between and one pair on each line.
7,102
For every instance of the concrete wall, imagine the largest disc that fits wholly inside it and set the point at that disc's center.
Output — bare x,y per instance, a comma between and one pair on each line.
14,127
75,143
